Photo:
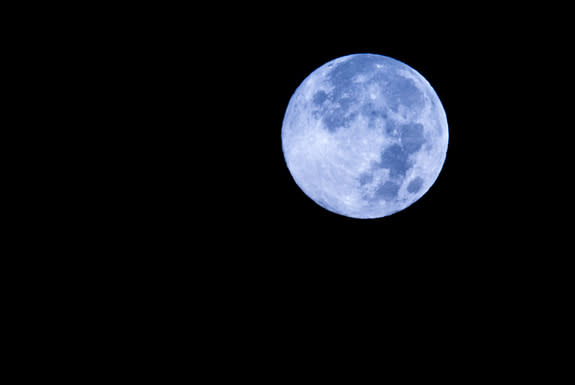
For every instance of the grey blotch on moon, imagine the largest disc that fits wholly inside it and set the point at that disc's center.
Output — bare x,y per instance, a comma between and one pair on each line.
365,136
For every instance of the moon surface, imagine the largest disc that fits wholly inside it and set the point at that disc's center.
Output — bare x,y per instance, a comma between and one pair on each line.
365,136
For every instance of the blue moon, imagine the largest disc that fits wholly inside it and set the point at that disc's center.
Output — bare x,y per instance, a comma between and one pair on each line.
365,136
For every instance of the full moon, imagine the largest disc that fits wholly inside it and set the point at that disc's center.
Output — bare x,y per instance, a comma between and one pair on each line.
365,136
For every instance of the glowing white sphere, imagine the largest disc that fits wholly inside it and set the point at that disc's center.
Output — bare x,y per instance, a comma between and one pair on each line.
365,136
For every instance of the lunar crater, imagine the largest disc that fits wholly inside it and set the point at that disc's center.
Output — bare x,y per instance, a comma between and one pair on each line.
415,185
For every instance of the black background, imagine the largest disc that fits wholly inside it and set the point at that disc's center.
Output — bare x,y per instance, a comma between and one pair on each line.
199,99
191,217
462,259
464,240
227,86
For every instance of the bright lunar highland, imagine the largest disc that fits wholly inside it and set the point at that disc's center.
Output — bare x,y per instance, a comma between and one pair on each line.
365,136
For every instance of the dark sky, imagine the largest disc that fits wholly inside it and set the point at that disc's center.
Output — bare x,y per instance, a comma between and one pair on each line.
204,217
229,81
250,71
189,221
